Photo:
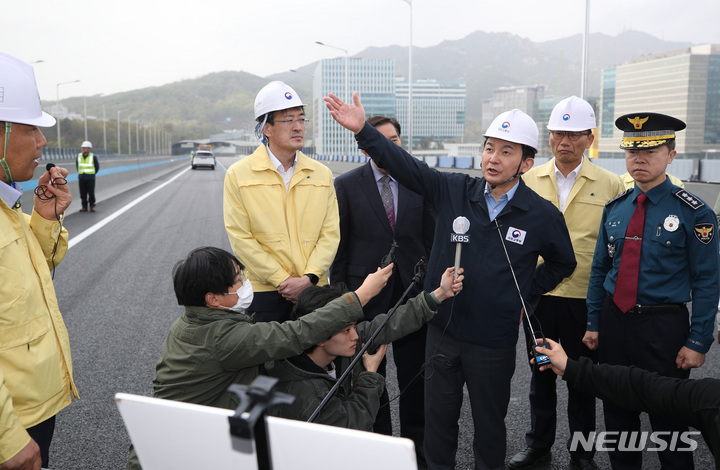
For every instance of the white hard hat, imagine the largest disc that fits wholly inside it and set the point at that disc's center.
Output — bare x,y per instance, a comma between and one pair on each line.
572,114
514,126
87,144
275,96
19,98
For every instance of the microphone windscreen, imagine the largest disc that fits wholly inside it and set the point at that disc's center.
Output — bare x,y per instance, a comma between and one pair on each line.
48,166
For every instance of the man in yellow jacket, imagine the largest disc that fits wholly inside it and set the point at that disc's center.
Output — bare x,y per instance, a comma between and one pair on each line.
35,365
281,213
580,190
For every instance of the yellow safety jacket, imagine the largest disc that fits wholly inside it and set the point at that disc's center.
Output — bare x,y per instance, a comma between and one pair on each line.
35,364
593,187
278,234
86,165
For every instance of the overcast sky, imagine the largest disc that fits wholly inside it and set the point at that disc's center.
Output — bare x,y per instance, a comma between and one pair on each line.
130,44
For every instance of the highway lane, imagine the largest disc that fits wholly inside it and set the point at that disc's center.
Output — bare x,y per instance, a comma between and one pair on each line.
115,292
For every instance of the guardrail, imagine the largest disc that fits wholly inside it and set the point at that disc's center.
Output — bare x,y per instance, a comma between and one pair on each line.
117,174
687,169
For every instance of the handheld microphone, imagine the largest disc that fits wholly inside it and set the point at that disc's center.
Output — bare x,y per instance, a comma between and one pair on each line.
460,227
47,167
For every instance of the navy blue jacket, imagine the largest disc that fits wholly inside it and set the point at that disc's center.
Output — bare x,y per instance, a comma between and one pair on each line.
679,258
487,312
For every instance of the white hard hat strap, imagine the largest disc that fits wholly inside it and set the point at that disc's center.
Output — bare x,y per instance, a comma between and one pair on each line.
3,163
517,173
260,129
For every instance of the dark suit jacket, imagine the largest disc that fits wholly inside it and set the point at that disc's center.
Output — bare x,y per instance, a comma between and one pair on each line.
366,236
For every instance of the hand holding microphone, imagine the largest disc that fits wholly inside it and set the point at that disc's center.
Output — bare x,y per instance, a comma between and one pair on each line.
52,195
460,227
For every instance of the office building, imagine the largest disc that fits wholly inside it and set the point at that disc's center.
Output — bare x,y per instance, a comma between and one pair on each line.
684,83
438,111
373,79
439,107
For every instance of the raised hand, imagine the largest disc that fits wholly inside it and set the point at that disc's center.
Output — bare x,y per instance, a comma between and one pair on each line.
350,117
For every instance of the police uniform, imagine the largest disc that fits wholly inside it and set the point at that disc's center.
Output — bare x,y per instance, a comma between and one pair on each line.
679,262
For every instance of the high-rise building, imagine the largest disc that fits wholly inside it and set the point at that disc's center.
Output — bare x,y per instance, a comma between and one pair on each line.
373,79
439,107
438,110
684,83
517,97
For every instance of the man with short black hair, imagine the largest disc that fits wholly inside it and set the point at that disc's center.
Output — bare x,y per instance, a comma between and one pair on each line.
311,375
280,207
471,341
215,342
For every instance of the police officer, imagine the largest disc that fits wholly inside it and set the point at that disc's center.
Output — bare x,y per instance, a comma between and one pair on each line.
472,340
579,189
656,250
87,167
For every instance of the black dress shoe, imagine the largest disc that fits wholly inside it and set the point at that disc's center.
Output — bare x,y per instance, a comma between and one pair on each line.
583,464
529,458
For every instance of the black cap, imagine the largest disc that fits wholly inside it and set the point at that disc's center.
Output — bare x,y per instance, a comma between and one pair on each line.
647,130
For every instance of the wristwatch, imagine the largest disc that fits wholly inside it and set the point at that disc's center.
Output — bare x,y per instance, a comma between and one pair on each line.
313,278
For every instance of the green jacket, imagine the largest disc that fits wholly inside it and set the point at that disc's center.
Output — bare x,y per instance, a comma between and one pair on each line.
207,350
356,403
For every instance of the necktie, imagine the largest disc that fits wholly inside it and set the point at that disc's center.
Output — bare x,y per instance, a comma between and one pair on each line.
387,200
625,296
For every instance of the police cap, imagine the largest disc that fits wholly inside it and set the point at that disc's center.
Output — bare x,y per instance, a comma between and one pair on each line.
647,130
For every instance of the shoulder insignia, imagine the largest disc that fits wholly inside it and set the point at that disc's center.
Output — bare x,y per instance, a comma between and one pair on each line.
689,199
619,196
704,233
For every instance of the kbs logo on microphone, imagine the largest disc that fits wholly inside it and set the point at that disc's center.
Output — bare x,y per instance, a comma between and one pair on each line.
458,238
629,441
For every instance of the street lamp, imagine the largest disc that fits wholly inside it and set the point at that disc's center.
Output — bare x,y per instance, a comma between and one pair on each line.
104,131
348,99
129,137
586,38
57,108
410,103
118,124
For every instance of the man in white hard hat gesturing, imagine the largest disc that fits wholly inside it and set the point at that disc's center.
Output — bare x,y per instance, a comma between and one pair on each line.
579,189
35,365
281,213
472,340
87,167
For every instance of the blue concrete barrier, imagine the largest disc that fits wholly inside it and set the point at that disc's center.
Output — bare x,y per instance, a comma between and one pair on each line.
446,162
117,174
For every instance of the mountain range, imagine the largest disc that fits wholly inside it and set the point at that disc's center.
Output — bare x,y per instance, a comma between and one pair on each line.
195,108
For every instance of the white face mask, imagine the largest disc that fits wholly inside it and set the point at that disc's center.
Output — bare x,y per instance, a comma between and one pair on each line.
245,298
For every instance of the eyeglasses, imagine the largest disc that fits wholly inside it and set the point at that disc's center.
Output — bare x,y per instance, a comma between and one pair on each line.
573,136
291,122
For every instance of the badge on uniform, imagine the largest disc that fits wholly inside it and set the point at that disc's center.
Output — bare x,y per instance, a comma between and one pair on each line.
672,222
515,235
704,233
611,250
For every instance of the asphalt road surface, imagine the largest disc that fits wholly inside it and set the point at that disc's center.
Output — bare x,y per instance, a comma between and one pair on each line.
115,291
